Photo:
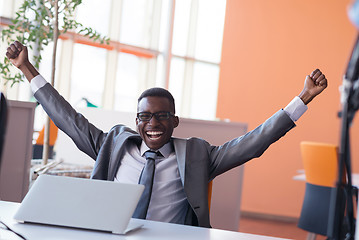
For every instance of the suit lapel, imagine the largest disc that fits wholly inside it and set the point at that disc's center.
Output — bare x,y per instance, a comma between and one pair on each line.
118,152
180,150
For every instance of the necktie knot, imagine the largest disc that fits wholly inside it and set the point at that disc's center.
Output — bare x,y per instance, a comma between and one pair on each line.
151,155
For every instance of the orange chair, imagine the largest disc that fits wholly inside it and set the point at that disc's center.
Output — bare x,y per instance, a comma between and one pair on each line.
39,146
210,194
321,166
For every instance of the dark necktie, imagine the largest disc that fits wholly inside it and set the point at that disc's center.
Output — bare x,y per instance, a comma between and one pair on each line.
146,179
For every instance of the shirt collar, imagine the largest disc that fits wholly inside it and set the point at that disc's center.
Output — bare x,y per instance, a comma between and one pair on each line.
165,150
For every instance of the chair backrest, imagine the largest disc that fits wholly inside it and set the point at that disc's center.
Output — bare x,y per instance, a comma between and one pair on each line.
320,163
210,194
53,134
3,118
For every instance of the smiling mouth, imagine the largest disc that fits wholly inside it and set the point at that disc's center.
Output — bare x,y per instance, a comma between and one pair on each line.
154,135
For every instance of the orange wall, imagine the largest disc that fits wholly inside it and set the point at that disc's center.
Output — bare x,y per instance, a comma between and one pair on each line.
268,49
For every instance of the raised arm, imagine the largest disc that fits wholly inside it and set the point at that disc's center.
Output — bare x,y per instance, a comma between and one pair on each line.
86,136
252,145
18,56
314,84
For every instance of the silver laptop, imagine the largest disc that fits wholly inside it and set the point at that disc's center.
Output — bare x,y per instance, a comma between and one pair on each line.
81,203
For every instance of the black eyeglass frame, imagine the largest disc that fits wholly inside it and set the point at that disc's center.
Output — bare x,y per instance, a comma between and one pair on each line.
156,114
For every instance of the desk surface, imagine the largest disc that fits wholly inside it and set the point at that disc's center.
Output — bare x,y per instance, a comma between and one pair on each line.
355,178
150,231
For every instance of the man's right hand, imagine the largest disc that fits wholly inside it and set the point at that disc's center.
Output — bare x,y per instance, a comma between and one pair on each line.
18,56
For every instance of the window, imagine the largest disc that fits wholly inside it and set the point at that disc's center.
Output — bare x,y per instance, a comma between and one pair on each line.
88,74
88,13
166,43
197,40
128,78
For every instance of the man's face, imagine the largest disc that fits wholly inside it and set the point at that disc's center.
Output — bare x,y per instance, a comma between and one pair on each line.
154,132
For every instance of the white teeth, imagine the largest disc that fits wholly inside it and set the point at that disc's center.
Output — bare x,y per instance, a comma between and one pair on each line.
154,133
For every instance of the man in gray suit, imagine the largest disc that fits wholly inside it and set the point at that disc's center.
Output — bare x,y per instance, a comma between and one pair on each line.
183,167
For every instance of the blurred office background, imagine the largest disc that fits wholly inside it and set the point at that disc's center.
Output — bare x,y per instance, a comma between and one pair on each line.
171,44
235,59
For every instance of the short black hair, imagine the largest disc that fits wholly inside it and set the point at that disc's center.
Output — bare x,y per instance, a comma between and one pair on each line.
158,92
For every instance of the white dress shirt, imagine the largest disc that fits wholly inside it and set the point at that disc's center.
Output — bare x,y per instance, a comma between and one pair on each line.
168,201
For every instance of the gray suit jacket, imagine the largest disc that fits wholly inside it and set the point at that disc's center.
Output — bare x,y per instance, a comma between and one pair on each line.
198,161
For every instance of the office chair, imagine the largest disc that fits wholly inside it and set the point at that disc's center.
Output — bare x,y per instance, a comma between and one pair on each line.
3,118
38,147
320,162
210,194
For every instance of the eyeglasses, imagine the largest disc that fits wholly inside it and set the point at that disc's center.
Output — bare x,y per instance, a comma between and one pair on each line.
160,116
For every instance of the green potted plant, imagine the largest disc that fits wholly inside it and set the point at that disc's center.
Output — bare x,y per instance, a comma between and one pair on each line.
37,23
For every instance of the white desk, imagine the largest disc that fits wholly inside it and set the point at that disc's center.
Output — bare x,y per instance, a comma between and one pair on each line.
150,231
